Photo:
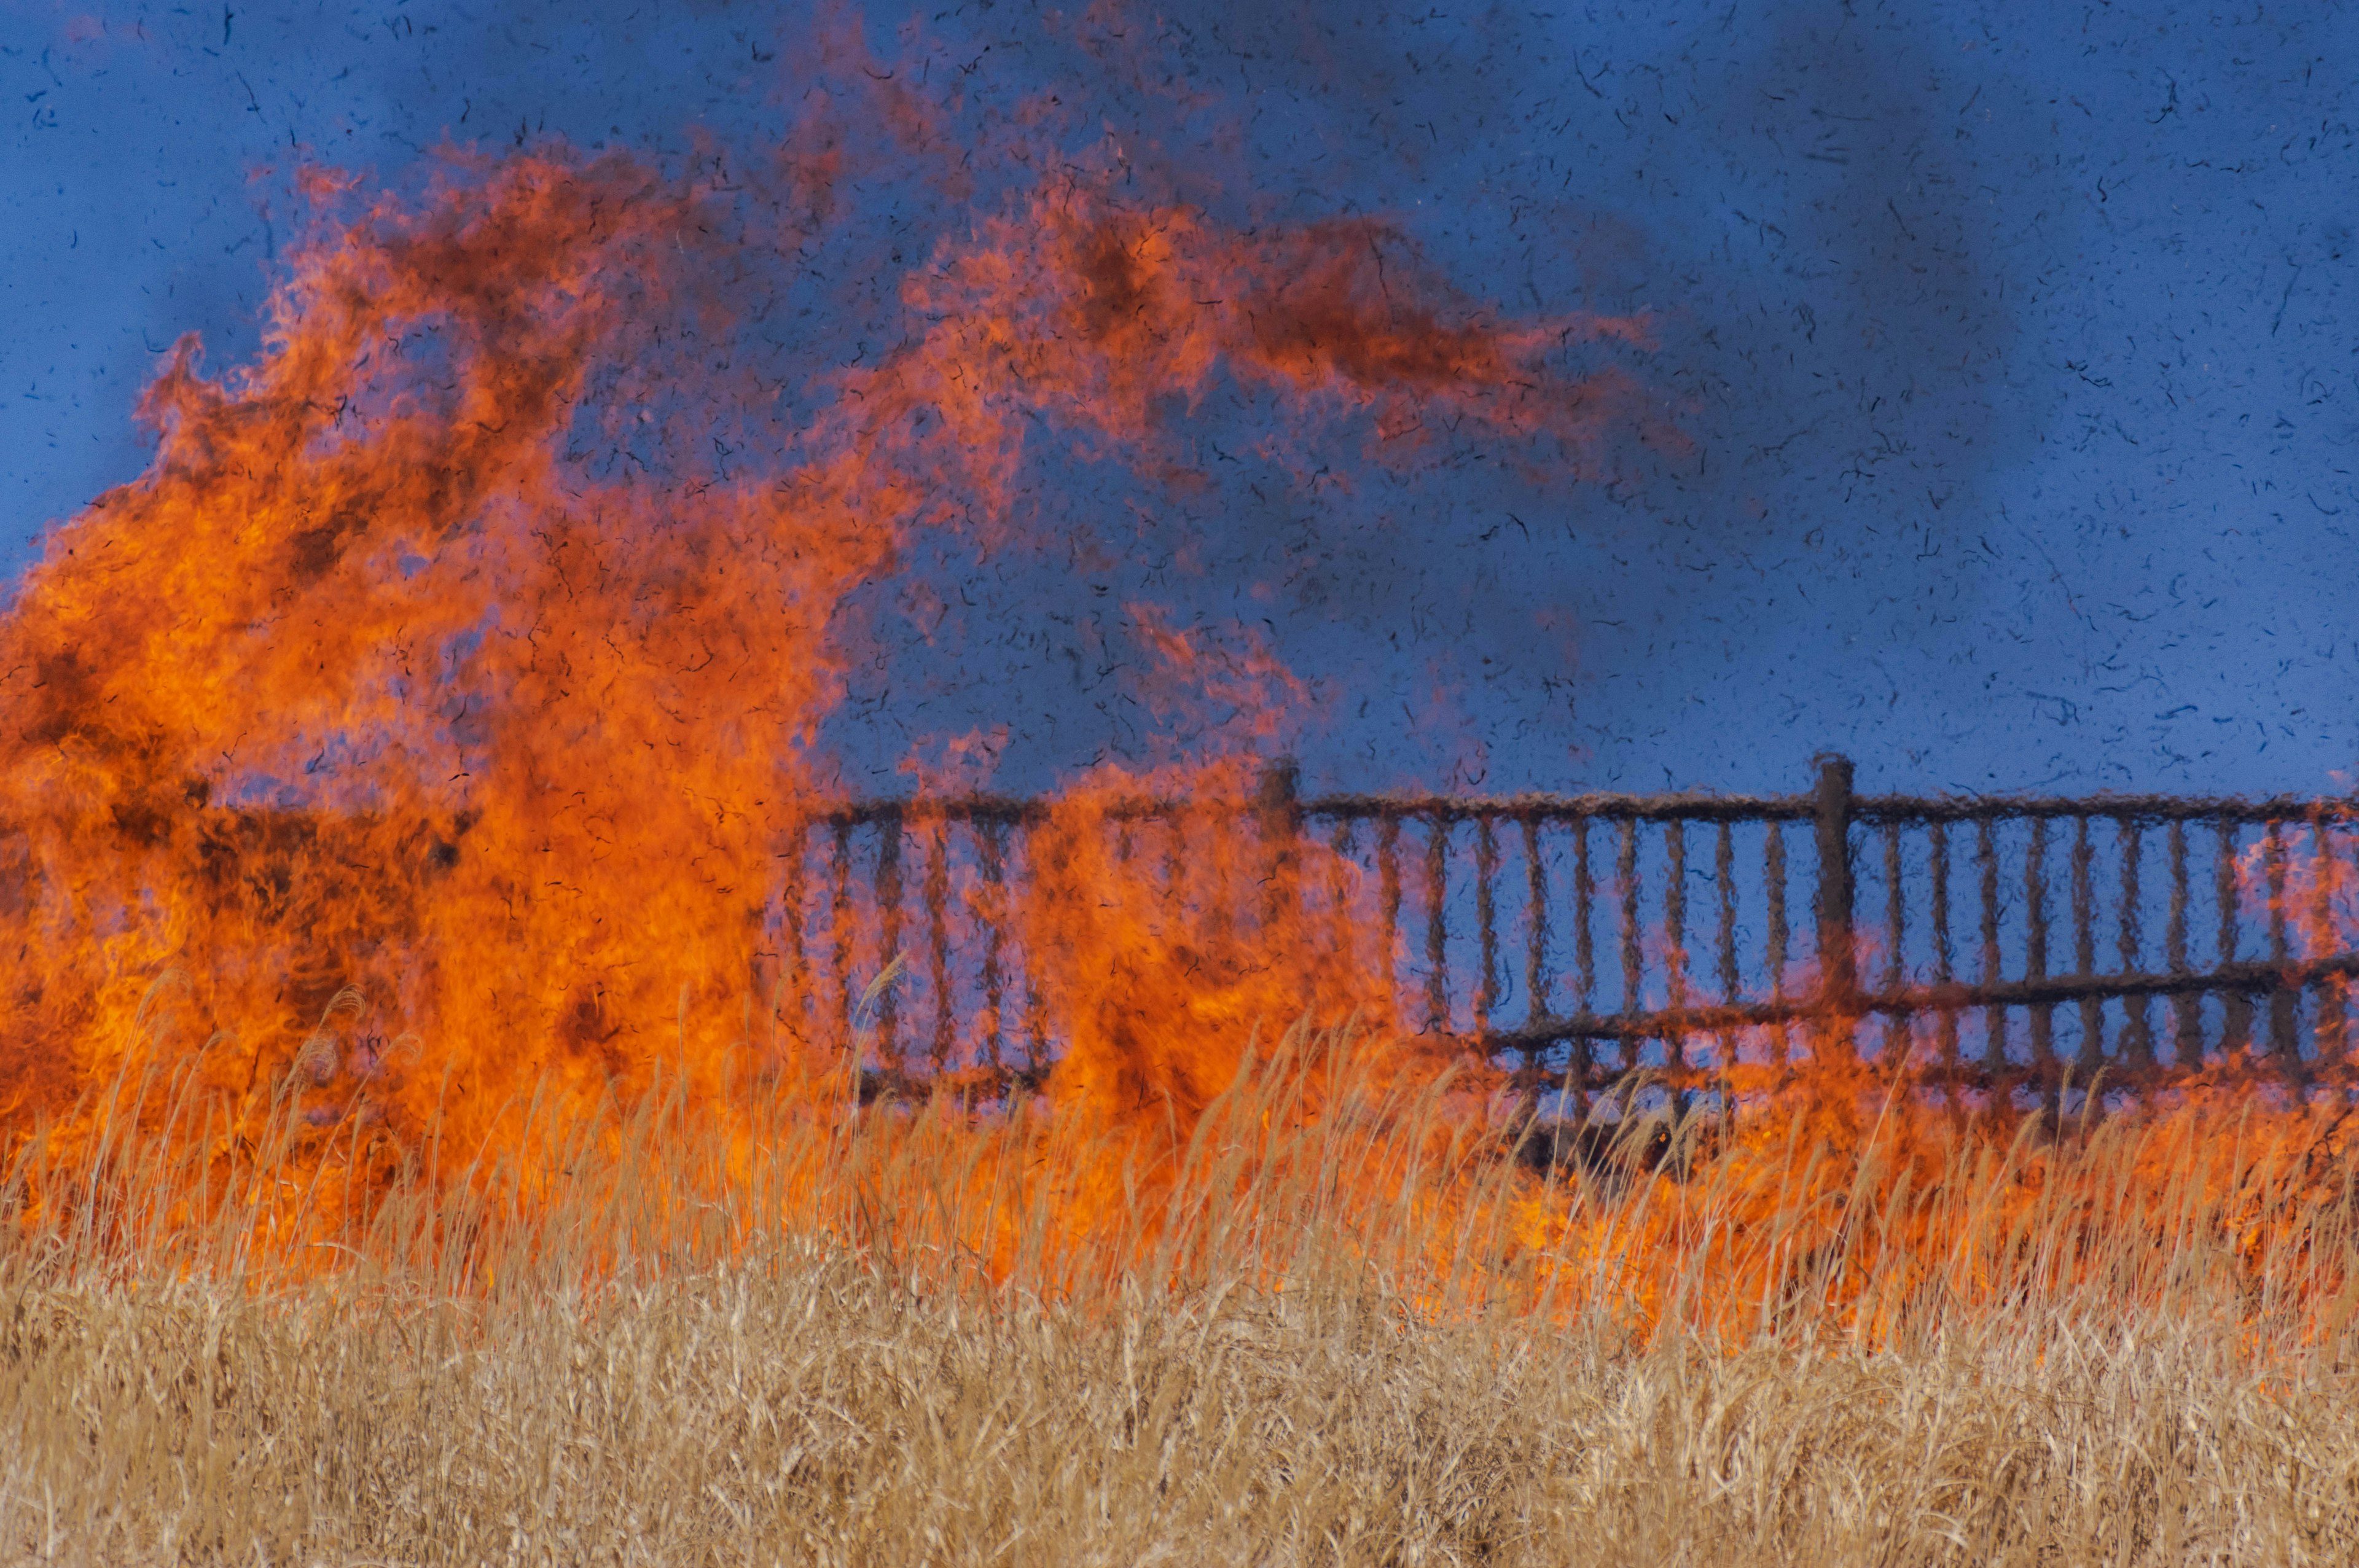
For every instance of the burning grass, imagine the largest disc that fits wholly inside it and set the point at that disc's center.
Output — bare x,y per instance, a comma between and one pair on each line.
445,713
1331,1317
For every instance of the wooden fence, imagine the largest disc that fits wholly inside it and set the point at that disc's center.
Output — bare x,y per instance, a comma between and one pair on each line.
2006,942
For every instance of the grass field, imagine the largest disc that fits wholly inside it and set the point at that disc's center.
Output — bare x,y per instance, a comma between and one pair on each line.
1329,1321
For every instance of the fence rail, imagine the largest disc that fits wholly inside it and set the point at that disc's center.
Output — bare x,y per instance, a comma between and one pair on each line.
2001,942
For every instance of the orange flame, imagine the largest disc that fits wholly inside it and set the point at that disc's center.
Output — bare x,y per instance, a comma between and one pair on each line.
394,780
432,720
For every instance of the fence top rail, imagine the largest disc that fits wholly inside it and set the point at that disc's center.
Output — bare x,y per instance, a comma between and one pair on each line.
1694,807
1898,808
1691,807
1872,809
1004,809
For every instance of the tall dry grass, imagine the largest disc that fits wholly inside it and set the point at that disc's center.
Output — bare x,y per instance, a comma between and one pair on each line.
1332,1322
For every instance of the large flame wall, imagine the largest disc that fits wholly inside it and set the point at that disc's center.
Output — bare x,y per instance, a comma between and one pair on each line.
426,723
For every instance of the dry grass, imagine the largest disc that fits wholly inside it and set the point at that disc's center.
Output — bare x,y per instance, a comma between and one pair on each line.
814,1412
1355,1339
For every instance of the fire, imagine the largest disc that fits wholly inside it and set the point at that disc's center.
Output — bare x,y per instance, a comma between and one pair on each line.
423,727
400,781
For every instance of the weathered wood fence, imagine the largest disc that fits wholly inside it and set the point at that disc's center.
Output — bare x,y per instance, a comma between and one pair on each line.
2006,942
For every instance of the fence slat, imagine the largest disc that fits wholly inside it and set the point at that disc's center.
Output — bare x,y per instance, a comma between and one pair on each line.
840,926
1486,874
1032,1012
2237,1037
991,840
1536,975
1938,865
1838,960
1994,1018
888,937
1732,983
2187,1035
1626,869
1773,871
1723,877
2334,995
1436,926
1388,894
938,938
1585,901
1895,911
1344,907
1675,935
2137,1037
2084,950
2283,1004
2035,940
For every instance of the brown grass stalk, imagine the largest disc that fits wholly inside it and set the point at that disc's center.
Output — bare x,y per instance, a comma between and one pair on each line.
792,1329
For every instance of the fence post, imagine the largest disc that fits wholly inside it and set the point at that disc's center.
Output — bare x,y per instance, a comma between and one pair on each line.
1277,812
1838,959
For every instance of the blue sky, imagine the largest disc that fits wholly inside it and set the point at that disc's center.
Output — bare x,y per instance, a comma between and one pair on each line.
2013,345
